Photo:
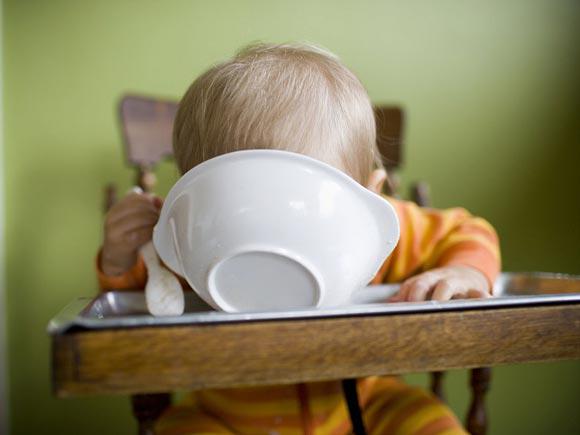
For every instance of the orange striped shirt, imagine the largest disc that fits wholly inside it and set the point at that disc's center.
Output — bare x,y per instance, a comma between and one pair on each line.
429,238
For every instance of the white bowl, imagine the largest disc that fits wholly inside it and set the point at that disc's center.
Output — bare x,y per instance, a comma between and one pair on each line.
272,230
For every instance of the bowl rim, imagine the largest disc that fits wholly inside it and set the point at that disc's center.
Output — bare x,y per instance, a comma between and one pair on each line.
207,165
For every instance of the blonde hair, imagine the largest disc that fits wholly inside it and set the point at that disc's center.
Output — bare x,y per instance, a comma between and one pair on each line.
292,97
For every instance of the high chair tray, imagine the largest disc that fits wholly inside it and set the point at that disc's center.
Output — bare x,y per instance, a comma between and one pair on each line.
125,309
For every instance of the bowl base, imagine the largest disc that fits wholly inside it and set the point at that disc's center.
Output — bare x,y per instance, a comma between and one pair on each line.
263,281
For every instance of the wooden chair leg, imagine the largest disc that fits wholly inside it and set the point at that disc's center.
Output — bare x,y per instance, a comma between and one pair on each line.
147,408
437,384
477,416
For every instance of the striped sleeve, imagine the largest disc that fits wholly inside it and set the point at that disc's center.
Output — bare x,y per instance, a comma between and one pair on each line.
434,238
134,279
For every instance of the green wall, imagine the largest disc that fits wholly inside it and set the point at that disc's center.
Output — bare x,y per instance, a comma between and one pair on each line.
3,323
492,97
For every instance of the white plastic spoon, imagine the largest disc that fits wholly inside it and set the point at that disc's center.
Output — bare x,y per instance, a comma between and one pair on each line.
163,292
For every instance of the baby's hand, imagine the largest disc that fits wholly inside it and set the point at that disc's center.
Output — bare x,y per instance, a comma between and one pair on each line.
443,284
128,226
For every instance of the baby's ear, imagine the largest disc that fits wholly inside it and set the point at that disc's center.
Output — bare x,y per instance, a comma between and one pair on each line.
376,181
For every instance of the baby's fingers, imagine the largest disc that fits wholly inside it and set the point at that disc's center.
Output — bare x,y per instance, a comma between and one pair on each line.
419,287
477,294
418,290
132,222
448,289
444,290
130,205
139,236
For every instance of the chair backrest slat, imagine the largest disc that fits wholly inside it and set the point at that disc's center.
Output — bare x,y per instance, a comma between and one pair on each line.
147,125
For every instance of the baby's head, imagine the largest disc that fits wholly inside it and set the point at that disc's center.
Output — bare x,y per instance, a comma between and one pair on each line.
290,97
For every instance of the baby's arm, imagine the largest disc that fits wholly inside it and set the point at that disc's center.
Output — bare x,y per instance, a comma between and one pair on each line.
128,226
450,252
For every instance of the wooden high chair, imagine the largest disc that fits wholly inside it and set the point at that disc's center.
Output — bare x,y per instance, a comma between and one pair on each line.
147,125
141,361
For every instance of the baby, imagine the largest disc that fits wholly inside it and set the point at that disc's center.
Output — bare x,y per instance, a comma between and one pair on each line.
302,99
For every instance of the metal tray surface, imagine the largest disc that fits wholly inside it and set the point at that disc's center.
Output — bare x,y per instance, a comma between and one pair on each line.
125,309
